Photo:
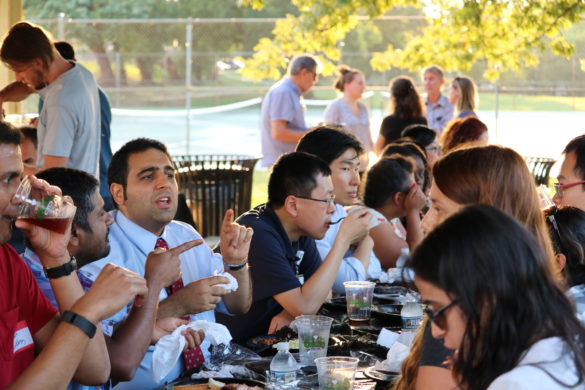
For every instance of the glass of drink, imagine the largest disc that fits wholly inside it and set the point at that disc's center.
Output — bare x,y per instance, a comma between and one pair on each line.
313,337
42,209
358,296
336,372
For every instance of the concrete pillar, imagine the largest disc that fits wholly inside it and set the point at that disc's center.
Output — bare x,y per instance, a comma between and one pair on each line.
10,13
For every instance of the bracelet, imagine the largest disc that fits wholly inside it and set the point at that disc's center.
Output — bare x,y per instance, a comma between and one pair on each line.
81,322
235,267
62,270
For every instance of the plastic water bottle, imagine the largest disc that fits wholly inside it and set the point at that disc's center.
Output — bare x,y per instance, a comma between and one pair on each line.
283,368
412,315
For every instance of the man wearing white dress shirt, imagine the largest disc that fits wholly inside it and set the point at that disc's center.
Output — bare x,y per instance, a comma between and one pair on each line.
342,153
144,190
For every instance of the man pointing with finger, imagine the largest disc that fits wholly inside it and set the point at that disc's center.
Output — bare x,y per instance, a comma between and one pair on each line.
144,190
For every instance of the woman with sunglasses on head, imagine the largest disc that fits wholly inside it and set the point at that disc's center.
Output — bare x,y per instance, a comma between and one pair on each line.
519,330
391,193
567,232
491,175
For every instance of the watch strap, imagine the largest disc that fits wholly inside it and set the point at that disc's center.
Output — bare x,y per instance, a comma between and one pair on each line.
62,270
81,322
235,267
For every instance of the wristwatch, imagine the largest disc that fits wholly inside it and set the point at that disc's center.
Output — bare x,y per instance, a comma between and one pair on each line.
81,322
62,270
236,266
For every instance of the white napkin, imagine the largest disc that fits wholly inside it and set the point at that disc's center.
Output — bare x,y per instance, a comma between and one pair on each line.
399,345
169,348
232,285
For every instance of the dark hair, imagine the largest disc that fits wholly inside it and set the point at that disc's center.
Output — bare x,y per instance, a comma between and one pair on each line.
29,133
294,174
421,135
407,148
65,49
346,76
566,227
385,178
328,143
25,42
577,145
79,185
462,131
9,134
519,305
302,61
118,170
405,101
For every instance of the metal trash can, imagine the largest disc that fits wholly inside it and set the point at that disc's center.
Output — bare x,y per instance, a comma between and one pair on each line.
214,183
540,168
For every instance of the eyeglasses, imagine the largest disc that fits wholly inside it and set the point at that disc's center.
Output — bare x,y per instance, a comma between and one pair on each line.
330,201
438,317
560,187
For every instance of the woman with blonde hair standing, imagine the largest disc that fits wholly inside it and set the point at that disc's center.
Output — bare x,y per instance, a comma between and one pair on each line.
349,112
463,94
407,109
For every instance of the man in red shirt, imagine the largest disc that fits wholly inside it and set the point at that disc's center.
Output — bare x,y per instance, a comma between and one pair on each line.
66,346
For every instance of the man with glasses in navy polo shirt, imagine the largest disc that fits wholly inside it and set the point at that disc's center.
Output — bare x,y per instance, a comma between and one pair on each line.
570,188
288,276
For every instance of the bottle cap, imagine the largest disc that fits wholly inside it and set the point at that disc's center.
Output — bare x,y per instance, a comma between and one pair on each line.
282,347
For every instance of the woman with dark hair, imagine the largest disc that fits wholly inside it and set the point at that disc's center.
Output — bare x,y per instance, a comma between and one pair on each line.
426,139
463,96
517,331
464,132
406,107
406,148
566,227
490,175
391,193
349,112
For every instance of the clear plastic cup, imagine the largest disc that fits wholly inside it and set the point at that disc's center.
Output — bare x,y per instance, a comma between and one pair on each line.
42,209
313,333
336,372
358,296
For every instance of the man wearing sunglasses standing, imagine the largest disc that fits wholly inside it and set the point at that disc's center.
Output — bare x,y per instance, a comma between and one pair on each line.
288,276
570,188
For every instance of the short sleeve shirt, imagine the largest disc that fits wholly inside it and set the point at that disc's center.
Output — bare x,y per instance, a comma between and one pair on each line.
24,310
275,262
282,102
69,122
439,113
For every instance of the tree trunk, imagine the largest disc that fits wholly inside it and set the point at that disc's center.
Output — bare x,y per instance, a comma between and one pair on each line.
106,74
145,66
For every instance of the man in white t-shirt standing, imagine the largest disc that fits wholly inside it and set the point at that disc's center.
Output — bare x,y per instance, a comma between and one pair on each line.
69,123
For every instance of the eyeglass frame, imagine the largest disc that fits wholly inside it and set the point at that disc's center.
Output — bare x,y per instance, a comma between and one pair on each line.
438,317
330,202
560,187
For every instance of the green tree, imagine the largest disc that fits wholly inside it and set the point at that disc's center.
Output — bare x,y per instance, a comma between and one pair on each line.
501,35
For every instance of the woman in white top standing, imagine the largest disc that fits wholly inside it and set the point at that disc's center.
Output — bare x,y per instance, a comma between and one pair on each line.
349,112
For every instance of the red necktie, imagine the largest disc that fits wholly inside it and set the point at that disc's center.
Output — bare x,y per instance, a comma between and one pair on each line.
193,356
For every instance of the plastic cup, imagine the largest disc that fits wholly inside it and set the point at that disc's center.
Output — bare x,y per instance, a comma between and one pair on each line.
42,209
358,296
336,372
313,333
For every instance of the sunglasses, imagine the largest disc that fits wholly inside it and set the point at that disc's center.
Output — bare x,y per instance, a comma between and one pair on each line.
438,317
560,187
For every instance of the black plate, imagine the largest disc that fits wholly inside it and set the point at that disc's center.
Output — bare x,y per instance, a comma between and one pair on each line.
199,381
380,376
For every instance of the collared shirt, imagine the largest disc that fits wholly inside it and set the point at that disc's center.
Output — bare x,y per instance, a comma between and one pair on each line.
130,244
275,266
282,102
34,263
439,113
350,268
545,360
